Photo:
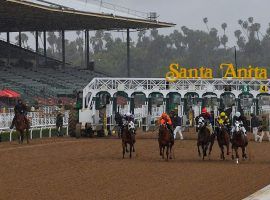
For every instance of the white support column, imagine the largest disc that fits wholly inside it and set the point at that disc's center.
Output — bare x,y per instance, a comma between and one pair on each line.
50,132
40,133
10,136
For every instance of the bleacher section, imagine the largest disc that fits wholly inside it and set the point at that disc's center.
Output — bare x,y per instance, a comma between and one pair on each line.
45,82
42,81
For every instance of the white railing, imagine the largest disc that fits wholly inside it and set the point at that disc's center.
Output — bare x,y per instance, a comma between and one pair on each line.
182,84
37,120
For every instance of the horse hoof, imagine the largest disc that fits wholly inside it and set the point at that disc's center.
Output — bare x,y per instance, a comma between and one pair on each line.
237,161
170,157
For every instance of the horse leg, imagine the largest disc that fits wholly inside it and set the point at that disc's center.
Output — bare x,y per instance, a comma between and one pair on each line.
232,153
167,152
199,152
130,150
124,149
171,151
244,156
19,137
22,136
237,155
133,148
228,147
27,136
160,150
222,152
127,149
163,150
203,147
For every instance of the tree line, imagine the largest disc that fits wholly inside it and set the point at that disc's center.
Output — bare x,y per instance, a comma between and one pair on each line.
151,52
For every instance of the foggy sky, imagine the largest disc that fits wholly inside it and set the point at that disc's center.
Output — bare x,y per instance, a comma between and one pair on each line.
191,12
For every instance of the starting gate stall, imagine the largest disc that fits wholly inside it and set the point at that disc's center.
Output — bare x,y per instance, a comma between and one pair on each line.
247,104
192,100
173,101
156,104
263,103
210,101
226,94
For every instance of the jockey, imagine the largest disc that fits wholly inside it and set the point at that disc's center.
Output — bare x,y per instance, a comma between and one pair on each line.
165,119
20,108
207,117
240,119
118,119
223,120
128,117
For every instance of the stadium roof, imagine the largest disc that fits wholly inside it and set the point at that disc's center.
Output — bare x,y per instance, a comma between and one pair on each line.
51,15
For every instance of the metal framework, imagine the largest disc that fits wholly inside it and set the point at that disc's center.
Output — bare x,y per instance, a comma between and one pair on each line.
160,85
38,15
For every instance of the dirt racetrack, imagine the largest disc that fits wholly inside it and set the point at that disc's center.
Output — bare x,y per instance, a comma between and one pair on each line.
67,168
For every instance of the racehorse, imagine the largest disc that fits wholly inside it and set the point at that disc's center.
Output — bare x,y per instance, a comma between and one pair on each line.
223,139
204,138
239,140
128,137
165,140
21,125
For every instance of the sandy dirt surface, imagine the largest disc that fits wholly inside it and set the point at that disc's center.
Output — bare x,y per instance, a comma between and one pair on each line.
67,168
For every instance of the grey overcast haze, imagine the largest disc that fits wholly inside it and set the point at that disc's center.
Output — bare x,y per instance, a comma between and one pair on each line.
190,13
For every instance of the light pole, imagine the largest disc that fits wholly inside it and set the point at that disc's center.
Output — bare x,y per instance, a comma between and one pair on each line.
235,57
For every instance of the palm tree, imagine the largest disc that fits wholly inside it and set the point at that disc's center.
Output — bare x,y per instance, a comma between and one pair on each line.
224,40
24,39
154,34
240,22
79,44
256,28
237,34
52,41
224,26
245,28
250,20
205,21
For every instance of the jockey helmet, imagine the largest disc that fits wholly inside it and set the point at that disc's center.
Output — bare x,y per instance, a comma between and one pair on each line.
223,114
128,114
237,114
163,115
204,110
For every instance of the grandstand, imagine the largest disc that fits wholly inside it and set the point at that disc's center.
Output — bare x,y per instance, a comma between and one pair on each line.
31,72
48,81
